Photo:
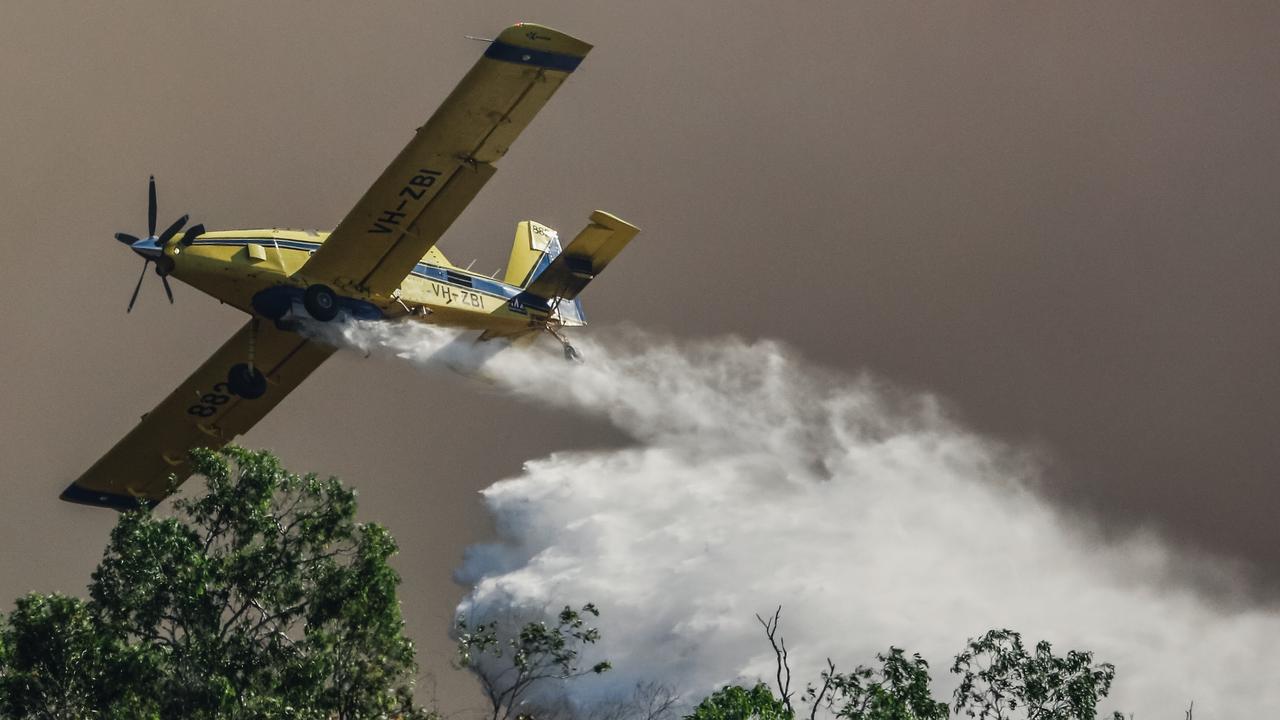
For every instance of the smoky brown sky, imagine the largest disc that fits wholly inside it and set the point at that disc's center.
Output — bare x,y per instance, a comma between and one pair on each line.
1062,219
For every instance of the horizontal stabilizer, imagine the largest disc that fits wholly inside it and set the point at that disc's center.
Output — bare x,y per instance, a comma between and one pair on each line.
585,258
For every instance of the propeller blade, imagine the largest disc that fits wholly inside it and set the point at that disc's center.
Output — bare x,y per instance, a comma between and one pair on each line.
170,231
167,290
126,238
192,233
138,287
151,208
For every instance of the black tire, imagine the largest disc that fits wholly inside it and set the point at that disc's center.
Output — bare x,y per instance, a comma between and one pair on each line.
271,307
248,383
321,303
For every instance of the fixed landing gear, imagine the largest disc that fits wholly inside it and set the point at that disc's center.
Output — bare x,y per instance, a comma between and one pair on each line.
289,305
321,303
247,381
244,379
570,352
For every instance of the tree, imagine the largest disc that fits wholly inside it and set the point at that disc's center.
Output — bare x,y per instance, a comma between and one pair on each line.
1000,680
261,598
898,690
646,701
738,703
539,652
57,663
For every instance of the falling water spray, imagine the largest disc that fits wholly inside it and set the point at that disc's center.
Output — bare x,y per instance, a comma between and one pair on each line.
755,479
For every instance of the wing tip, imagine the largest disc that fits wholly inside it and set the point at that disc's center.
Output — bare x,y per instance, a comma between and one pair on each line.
541,37
539,45
99,498
613,222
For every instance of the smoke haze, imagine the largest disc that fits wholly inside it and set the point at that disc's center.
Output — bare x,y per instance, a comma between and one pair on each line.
756,479
1060,217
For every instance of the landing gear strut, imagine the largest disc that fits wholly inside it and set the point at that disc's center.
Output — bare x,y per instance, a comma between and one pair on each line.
570,352
244,379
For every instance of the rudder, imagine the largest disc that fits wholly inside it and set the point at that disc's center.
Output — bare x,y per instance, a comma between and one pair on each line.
533,249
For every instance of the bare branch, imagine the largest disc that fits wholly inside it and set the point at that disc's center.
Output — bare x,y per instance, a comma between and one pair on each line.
780,652
826,686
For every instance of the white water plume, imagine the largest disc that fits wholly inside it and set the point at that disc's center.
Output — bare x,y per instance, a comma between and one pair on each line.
757,480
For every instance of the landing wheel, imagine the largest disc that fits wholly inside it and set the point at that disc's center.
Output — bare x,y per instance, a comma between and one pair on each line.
320,303
249,383
271,306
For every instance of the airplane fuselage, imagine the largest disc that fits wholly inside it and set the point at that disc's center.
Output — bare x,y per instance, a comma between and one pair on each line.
258,271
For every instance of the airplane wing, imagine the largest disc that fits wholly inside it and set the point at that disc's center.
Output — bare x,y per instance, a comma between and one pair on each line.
201,412
429,183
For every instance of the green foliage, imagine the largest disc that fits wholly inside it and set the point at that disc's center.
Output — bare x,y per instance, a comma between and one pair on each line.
58,663
898,690
1000,679
536,653
738,703
261,598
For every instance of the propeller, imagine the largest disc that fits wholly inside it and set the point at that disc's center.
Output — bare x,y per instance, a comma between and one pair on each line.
151,247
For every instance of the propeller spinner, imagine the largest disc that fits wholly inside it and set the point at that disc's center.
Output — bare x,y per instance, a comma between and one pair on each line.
151,248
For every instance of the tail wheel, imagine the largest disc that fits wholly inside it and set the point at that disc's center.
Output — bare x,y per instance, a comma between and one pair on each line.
321,303
247,382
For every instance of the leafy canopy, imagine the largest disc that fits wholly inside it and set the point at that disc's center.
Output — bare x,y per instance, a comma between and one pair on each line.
261,598
897,690
738,703
1000,679
508,667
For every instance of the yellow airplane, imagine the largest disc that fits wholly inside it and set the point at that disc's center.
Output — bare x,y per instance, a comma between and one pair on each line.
379,263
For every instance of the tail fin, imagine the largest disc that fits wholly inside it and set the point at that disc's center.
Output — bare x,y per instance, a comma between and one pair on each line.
535,246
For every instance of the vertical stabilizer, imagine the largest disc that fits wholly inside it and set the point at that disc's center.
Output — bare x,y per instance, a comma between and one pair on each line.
535,246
